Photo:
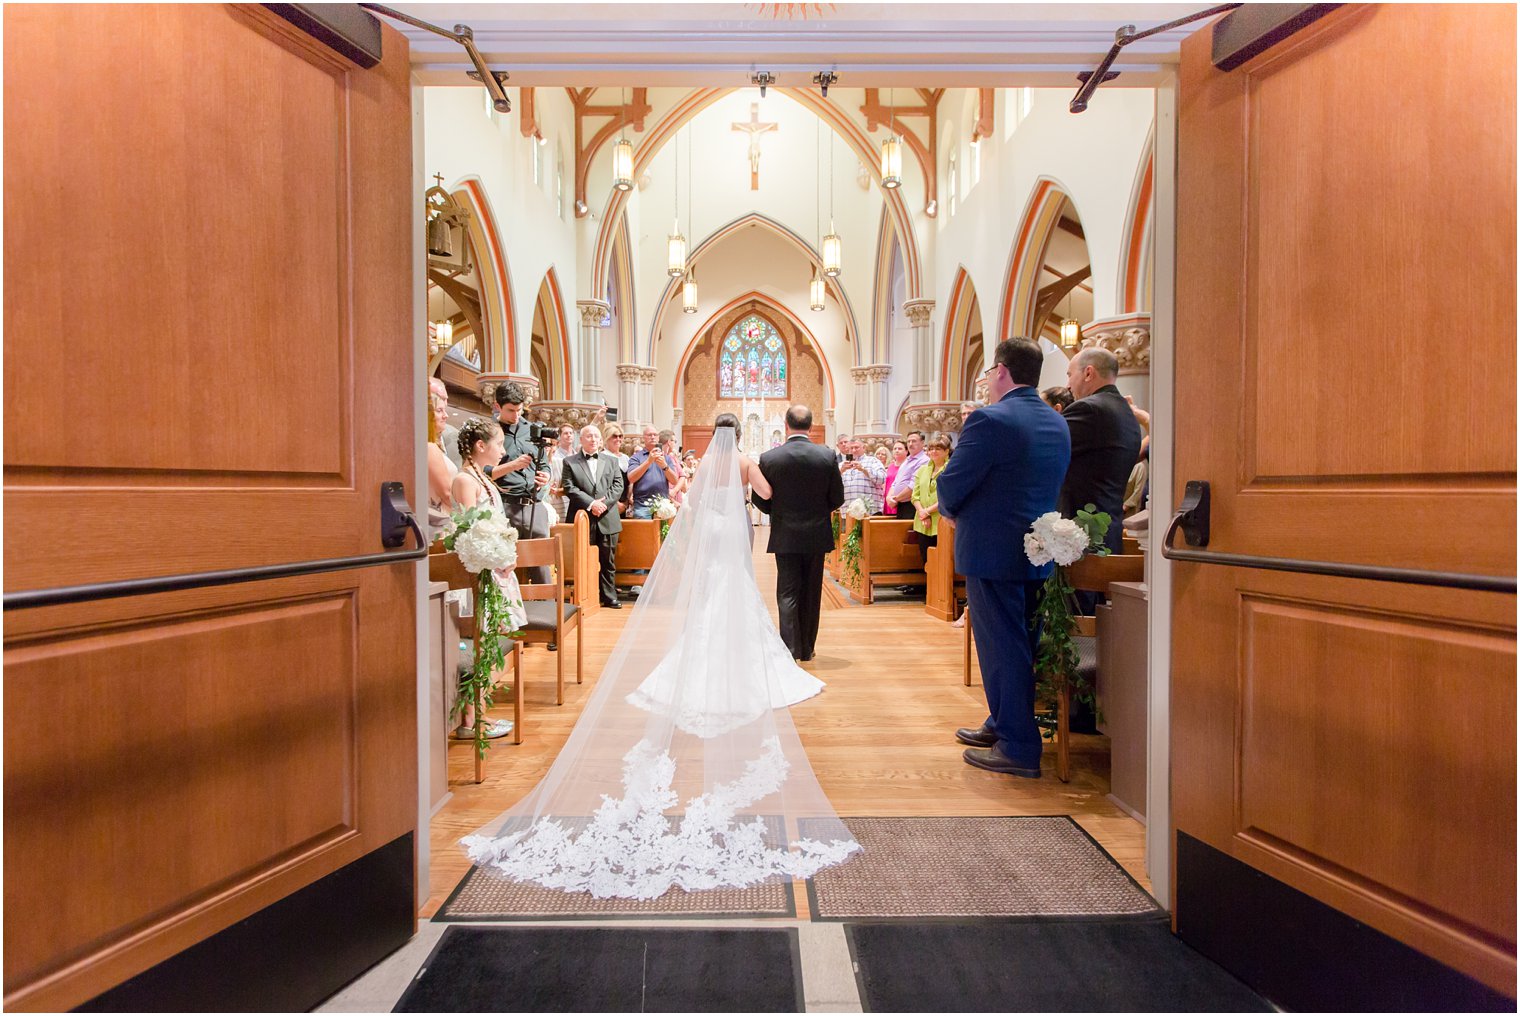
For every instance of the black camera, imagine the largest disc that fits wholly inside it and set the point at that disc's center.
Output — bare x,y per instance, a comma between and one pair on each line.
543,435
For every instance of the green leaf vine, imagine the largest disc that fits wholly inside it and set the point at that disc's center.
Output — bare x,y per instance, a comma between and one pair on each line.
476,688
1056,659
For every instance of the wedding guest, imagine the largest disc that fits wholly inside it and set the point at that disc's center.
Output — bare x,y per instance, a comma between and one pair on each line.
901,493
613,437
448,437
522,475
688,473
1105,440
440,468
1006,473
884,456
925,499
863,476
594,485
844,439
651,472
563,448
899,456
481,447
1057,397
668,443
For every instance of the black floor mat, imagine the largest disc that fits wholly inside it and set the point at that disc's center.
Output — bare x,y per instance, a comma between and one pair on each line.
609,970
1039,966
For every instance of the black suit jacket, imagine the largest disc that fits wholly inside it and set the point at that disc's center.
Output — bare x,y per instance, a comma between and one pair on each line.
805,489
581,490
1105,445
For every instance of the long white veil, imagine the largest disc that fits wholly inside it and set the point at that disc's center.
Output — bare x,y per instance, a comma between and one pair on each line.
685,768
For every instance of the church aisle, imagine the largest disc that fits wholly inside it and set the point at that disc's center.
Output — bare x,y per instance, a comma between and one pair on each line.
880,737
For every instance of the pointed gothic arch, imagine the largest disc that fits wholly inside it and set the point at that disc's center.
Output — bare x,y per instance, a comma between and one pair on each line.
549,356
775,308
1135,250
495,277
964,348
1021,286
673,287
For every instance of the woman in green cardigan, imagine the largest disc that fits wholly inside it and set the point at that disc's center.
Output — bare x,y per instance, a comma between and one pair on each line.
926,495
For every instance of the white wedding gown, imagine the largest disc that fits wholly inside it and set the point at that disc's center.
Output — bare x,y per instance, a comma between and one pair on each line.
685,769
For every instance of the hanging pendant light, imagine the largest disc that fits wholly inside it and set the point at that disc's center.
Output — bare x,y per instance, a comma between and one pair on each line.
1071,328
832,247
676,249
891,155
622,154
443,334
816,290
689,292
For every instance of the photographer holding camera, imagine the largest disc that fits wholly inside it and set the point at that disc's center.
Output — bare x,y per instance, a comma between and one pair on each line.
523,474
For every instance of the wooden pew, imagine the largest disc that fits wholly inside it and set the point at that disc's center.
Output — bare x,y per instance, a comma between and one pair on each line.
884,558
946,588
636,551
581,562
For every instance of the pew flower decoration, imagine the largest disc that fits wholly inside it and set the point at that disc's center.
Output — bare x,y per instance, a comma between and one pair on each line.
485,543
849,550
663,509
1064,542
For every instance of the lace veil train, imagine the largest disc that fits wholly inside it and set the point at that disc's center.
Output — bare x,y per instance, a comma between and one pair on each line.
684,769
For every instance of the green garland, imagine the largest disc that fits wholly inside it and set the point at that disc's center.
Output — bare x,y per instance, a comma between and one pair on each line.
834,522
476,688
849,553
1056,660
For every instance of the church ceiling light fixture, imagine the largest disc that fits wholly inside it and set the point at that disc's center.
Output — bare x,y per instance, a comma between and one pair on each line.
816,290
675,243
622,154
832,247
689,291
891,152
1071,329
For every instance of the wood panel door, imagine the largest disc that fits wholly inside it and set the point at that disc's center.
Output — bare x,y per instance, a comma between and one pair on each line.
208,365
1346,382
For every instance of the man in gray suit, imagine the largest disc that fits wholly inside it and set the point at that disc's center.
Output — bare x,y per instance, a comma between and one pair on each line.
593,482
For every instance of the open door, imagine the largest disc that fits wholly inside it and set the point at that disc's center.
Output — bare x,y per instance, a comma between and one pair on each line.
210,790
1343,754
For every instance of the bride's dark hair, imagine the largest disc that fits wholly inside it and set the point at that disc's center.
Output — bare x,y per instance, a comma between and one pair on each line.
728,420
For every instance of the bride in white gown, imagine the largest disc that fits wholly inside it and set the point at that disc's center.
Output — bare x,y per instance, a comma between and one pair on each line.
685,769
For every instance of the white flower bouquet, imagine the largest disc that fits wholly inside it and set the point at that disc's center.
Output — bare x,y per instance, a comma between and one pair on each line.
1063,541
857,509
487,543
849,547
663,508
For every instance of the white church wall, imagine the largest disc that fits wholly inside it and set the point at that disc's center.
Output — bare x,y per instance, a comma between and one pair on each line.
755,260
794,191
461,140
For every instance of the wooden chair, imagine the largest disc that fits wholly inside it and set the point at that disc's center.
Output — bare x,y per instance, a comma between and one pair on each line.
582,564
550,618
947,588
1091,574
444,566
637,549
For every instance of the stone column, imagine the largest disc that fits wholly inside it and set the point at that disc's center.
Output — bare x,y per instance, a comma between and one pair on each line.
595,314
830,425
628,375
646,394
1129,339
919,314
863,399
881,373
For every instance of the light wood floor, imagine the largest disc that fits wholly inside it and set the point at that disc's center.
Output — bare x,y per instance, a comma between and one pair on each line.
881,737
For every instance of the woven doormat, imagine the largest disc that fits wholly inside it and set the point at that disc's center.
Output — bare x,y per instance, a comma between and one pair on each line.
486,894
954,869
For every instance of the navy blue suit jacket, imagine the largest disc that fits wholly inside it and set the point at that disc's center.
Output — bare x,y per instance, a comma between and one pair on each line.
1005,473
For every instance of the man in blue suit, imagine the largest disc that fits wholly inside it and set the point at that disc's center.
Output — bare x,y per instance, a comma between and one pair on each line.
1005,473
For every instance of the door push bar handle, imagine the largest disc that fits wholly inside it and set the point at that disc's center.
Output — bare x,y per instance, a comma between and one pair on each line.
1192,518
396,520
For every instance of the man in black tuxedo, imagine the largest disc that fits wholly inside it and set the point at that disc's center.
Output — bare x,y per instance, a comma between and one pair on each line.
1105,441
593,483
805,490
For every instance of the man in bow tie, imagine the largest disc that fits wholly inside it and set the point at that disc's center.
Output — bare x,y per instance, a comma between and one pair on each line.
593,484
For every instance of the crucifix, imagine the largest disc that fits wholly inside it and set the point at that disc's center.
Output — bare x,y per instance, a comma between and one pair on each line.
754,128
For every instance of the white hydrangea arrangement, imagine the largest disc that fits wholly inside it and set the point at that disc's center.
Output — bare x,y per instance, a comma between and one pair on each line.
1052,538
488,544
663,508
857,509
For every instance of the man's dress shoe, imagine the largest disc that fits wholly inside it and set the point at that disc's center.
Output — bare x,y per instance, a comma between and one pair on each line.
978,737
614,605
995,761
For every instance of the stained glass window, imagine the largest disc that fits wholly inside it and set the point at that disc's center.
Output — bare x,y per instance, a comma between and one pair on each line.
753,361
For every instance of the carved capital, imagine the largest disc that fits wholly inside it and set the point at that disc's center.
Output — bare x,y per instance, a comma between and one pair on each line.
983,389
861,375
648,375
595,313
576,414
933,417
485,385
880,371
918,312
629,371
1128,338
874,438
